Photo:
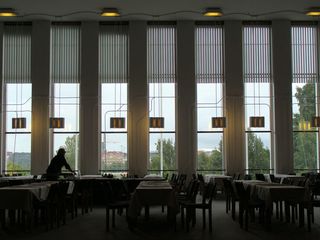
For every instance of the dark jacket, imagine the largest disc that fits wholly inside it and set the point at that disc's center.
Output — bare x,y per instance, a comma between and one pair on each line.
56,164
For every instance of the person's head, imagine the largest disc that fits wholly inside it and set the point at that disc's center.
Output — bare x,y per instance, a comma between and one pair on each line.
61,151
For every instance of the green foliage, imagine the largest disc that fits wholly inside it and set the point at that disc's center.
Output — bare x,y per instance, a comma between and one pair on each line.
168,155
258,154
305,143
70,147
13,167
210,160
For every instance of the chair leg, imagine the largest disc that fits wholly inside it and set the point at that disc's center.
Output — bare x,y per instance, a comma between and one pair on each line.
246,219
210,219
187,218
233,209
204,218
107,219
182,216
113,218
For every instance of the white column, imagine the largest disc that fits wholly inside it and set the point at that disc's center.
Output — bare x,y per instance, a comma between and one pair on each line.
138,128
234,137
186,122
40,77
282,72
90,139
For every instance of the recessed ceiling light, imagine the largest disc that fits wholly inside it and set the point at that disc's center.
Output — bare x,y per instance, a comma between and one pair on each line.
213,12
7,12
313,11
110,12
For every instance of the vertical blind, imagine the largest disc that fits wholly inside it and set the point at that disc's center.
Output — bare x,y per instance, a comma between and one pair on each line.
257,53
209,51
65,53
113,53
17,53
305,63
161,54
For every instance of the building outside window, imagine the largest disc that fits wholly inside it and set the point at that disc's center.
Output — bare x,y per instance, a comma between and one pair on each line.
257,70
305,96
209,64
114,75
17,99
65,93
161,73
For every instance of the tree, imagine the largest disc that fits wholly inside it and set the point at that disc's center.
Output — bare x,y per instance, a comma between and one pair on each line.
168,153
305,143
258,154
71,150
211,160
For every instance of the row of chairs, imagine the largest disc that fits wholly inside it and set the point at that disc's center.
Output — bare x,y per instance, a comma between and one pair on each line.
247,205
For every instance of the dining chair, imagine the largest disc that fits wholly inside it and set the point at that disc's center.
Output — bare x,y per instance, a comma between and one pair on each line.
260,176
247,205
112,203
231,197
188,197
204,205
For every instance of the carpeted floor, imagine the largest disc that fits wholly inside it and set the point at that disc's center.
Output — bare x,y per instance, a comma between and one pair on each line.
92,227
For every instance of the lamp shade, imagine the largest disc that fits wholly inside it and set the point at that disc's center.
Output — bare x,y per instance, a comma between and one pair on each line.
313,11
315,121
218,122
257,121
110,12
56,122
156,122
7,12
212,12
19,122
117,122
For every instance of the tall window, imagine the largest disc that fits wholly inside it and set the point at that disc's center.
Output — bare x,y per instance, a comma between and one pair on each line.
17,100
209,50
161,72
305,93
113,75
257,69
65,79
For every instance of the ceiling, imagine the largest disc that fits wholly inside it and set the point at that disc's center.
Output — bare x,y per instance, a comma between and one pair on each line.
76,10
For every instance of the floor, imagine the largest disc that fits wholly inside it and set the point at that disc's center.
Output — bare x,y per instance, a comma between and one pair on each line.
92,226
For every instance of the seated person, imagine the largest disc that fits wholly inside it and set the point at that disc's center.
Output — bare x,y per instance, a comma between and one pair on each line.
56,164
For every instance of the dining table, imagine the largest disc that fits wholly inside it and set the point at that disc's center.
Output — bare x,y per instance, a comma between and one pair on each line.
153,193
276,192
22,197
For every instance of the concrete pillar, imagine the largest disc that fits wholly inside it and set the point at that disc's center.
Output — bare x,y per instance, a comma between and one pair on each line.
90,139
234,137
40,77
186,123
282,72
138,128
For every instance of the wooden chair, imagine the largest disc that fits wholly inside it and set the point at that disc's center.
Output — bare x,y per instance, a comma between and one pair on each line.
231,197
113,204
248,205
189,197
204,205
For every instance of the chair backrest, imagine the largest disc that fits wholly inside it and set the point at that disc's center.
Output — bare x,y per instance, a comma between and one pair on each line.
260,176
208,194
229,188
242,192
247,177
272,177
193,192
